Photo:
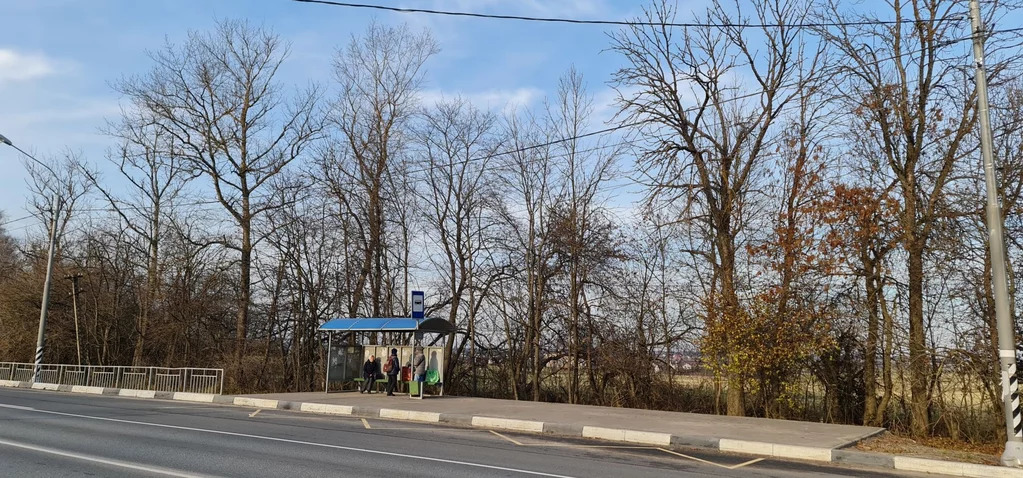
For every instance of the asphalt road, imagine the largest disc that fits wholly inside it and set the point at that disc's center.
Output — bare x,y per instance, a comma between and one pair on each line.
50,434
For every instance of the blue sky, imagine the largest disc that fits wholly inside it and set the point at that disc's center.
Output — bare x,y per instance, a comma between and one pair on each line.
59,57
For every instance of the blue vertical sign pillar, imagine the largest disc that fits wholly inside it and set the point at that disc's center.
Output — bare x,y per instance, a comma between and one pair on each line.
418,299
418,310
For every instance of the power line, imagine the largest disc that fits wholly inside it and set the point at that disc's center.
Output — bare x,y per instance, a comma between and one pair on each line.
12,221
640,122
617,22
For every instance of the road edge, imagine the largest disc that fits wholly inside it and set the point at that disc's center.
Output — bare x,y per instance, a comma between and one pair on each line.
840,456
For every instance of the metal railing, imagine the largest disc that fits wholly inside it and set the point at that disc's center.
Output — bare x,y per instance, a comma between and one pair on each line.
160,379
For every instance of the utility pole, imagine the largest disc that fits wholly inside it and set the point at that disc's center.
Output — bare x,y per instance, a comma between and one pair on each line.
44,307
74,303
1013,455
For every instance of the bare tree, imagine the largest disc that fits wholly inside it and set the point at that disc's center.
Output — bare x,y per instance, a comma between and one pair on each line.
531,187
898,77
217,100
459,143
156,177
379,75
584,223
57,187
708,132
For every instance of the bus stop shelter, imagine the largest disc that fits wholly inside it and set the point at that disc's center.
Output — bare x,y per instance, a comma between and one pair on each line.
345,357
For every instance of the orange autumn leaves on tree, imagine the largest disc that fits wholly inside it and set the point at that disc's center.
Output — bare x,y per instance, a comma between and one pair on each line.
859,218
787,318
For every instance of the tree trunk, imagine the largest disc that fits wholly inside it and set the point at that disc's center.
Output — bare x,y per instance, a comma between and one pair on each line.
870,348
918,360
244,296
735,400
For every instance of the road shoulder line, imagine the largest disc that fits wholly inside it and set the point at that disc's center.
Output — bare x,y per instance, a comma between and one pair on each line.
842,456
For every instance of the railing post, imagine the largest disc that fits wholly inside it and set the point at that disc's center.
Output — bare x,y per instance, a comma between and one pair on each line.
149,378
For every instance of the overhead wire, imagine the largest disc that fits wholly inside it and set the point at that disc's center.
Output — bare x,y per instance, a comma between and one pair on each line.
617,127
612,22
583,21
957,16
12,221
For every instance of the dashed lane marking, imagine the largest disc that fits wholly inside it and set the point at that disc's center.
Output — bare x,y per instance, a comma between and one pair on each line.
301,442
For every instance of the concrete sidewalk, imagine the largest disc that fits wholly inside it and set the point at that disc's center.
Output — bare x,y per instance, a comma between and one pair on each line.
646,426
820,442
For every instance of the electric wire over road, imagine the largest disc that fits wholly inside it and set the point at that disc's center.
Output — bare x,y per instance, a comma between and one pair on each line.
578,21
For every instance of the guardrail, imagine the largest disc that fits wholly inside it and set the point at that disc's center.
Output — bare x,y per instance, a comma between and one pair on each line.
160,379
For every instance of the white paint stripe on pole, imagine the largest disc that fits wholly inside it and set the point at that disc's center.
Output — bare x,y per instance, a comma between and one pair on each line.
1007,354
1014,398
103,461
301,442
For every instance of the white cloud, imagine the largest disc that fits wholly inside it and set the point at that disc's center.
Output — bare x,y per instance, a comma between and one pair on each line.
18,66
501,100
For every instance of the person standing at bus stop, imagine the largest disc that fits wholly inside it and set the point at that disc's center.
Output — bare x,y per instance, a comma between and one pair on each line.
392,367
419,369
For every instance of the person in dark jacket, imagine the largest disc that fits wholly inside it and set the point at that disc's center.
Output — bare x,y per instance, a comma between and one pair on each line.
419,370
392,374
369,375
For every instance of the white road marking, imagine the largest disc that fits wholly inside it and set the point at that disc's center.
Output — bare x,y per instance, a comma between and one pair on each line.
365,423
117,463
507,438
297,442
571,445
255,412
634,447
727,467
16,407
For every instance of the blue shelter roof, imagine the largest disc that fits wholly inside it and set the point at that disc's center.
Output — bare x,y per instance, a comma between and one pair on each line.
388,324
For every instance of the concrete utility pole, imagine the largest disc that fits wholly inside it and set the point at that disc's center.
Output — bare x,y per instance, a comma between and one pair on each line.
1013,455
44,307
74,303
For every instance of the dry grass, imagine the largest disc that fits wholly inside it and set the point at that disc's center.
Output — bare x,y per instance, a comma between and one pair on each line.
937,448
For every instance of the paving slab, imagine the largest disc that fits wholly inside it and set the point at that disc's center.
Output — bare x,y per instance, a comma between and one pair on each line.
691,425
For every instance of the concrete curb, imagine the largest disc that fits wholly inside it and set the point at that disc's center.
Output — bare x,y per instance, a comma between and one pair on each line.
655,439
